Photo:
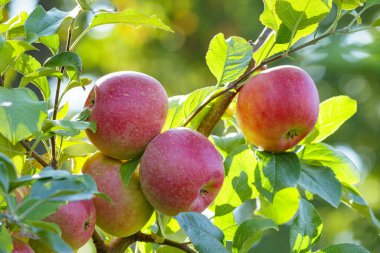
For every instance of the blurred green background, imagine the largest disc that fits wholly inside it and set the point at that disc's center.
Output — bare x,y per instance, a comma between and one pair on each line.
346,65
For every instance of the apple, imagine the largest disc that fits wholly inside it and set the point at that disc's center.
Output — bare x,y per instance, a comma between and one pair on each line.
129,210
129,109
21,247
277,108
76,220
181,171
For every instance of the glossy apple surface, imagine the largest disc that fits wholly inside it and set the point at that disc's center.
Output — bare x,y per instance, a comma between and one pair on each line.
129,109
181,171
129,210
76,220
277,108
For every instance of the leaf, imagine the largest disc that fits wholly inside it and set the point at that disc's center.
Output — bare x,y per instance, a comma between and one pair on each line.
227,224
225,144
14,152
42,72
65,59
250,232
322,182
7,173
10,50
349,4
228,59
376,23
21,113
192,102
65,127
78,149
320,154
14,22
51,41
6,244
352,198
41,23
306,228
332,114
284,207
26,65
343,248
174,103
238,183
276,171
205,237
130,17
50,239
127,170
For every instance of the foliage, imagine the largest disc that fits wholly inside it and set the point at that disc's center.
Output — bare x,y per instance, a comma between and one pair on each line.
282,184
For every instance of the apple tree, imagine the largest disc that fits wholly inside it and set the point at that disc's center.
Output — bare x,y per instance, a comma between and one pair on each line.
136,170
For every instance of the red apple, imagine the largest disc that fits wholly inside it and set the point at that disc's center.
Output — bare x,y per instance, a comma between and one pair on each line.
129,109
76,220
277,108
129,210
21,247
181,171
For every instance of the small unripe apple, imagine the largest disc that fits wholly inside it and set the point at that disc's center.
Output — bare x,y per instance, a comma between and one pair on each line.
129,210
277,108
181,171
76,221
129,109
21,247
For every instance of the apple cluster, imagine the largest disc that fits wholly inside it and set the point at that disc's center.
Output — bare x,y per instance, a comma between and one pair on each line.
180,169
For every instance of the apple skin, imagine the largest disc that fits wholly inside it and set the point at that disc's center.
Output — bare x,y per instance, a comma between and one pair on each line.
21,247
129,109
181,171
277,108
76,220
129,210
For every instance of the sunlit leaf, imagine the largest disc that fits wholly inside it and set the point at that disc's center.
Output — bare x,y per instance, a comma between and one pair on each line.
10,50
343,248
127,170
225,144
228,58
16,21
306,228
65,59
21,113
7,173
51,41
348,4
6,244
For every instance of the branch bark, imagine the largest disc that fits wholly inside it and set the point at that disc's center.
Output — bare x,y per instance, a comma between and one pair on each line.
34,154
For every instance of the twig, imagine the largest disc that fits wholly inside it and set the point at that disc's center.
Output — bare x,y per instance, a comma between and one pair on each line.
56,101
1,80
100,246
33,153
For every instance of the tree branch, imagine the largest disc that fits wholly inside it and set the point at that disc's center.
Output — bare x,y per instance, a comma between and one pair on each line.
57,91
34,154
100,246
1,80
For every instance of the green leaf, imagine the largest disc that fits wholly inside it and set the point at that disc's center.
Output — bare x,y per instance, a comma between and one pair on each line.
41,23
65,127
370,3
320,154
192,102
6,244
250,232
52,42
78,149
352,198
225,144
14,22
332,114
130,17
238,183
174,103
26,65
228,58
65,59
276,171
50,239
10,50
306,228
205,237
21,113
322,182
42,72
127,170
227,224
14,152
343,248
7,173
284,207
348,4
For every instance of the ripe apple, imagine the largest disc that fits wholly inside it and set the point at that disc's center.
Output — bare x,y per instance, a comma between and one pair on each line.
129,109
129,210
277,108
76,220
21,247
181,171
